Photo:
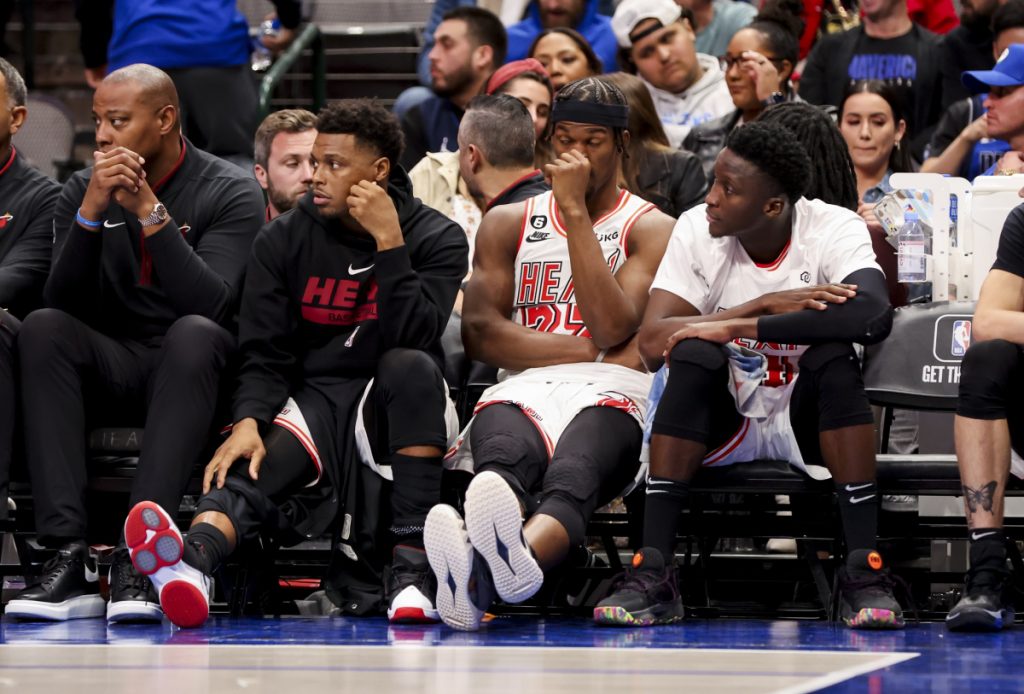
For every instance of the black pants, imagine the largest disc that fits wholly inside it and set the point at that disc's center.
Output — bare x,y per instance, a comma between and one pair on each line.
219,110
406,407
595,459
697,406
73,376
991,379
9,326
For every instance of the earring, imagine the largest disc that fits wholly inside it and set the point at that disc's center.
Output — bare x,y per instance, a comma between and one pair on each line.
897,145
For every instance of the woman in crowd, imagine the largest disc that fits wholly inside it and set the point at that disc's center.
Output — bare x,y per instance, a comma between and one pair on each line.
528,81
670,178
566,55
871,120
758,64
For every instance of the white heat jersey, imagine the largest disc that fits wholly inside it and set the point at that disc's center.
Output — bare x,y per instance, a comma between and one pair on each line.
544,298
828,244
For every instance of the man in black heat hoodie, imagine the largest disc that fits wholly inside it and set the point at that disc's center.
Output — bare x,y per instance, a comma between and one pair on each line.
147,268
345,302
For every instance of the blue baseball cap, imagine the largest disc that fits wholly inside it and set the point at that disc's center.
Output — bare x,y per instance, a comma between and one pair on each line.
1008,72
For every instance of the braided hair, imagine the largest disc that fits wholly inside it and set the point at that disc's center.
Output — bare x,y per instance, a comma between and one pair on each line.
833,178
592,90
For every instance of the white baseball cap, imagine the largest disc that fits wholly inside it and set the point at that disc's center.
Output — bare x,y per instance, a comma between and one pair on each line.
629,13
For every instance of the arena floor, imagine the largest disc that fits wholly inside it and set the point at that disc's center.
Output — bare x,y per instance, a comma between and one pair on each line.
511,654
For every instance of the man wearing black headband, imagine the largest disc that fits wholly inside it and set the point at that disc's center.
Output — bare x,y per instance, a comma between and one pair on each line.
559,286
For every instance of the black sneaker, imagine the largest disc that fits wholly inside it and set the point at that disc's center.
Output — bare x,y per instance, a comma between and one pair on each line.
132,596
411,588
866,598
68,588
644,595
986,604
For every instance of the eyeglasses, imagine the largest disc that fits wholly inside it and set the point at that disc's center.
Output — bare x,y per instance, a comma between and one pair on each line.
727,61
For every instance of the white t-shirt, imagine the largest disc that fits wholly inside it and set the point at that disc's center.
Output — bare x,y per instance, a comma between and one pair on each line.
828,244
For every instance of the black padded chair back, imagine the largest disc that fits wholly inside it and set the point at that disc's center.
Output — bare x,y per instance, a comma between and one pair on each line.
918,366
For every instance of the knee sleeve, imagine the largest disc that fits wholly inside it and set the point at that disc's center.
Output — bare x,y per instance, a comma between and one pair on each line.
833,370
696,388
505,442
988,375
410,387
571,487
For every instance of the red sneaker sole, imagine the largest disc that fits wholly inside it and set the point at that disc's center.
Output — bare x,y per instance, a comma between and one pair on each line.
153,540
184,604
411,615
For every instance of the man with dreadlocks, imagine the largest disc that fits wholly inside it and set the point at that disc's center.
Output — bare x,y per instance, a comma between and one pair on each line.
757,286
559,286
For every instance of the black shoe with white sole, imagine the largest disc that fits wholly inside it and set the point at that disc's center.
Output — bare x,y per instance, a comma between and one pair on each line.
986,604
68,588
132,596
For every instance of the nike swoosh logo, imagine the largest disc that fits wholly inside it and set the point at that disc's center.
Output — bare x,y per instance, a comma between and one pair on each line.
851,488
108,225
357,270
858,499
91,575
978,536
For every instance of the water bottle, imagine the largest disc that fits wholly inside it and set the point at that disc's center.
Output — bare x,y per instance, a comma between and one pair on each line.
262,58
911,250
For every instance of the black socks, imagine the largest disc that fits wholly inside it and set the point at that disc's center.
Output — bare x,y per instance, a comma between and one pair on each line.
664,501
858,509
206,547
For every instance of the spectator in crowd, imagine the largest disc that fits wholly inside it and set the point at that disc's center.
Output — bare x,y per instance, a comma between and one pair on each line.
148,263
283,143
670,178
758,67
715,22
967,47
988,432
470,46
796,284
344,305
580,15
556,308
872,121
886,46
28,199
657,43
438,179
937,16
203,45
961,144
566,56
1005,104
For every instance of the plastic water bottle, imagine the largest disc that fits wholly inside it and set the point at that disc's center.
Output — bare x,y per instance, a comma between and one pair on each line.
911,250
262,58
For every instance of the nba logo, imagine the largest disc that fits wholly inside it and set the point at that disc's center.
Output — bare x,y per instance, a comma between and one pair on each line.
961,337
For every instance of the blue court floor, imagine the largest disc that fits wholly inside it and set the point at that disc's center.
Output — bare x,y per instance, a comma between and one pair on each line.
509,654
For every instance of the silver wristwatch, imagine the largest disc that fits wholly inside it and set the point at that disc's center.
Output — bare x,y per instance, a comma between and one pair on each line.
157,216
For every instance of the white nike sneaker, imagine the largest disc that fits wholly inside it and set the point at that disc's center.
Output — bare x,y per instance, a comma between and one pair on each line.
464,588
495,525
156,547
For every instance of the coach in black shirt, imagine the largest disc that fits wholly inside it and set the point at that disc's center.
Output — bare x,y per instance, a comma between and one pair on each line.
27,198
149,257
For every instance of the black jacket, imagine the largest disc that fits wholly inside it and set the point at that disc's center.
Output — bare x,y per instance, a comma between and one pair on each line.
127,288
27,201
826,76
674,181
321,303
707,140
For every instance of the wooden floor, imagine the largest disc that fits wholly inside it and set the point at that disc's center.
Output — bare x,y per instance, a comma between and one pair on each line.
184,669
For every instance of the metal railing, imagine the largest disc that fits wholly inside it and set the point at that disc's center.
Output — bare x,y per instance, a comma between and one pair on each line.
310,38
